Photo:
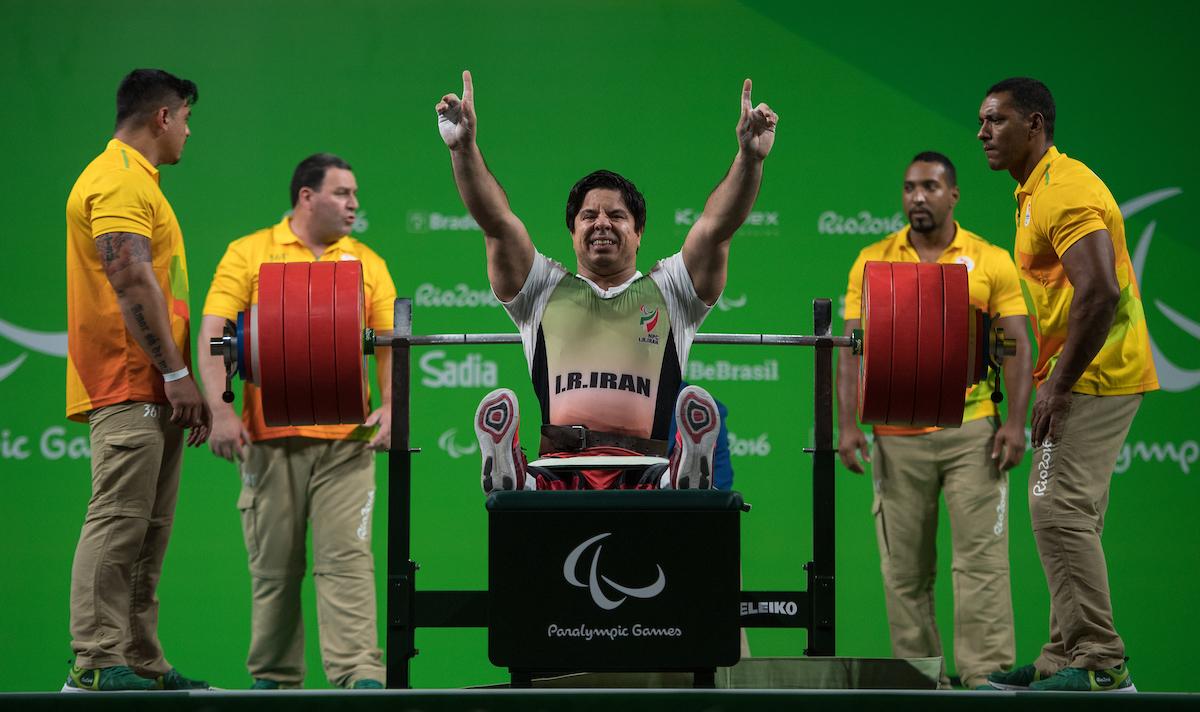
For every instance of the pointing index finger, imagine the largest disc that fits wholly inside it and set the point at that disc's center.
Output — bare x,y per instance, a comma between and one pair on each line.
468,88
746,85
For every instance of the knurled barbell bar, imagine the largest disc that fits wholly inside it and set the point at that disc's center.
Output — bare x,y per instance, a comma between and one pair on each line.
304,344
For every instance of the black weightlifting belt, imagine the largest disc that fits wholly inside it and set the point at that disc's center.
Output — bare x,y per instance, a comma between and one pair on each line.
574,438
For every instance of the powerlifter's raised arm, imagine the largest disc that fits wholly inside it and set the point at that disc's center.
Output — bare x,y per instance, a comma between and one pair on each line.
706,249
510,251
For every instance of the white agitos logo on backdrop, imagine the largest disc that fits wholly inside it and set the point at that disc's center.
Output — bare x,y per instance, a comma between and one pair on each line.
725,303
453,449
594,577
1170,376
51,343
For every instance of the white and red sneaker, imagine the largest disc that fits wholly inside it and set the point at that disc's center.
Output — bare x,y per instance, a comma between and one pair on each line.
497,420
697,423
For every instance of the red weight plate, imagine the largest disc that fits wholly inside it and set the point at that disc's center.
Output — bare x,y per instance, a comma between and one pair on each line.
930,319
955,345
269,346
904,344
874,368
320,342
296,359
348,334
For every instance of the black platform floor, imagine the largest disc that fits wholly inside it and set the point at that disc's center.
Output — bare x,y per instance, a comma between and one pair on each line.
597,700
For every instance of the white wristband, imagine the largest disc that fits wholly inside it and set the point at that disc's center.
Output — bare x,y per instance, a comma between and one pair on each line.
175,375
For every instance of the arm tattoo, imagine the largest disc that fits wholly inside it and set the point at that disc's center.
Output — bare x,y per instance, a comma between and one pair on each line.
118,250
152,341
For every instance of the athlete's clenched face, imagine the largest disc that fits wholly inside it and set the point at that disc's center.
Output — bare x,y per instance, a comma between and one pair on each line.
606,242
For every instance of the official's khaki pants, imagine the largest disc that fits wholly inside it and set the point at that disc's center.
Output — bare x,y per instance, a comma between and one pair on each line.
909,473
287,483
136,453
1068,495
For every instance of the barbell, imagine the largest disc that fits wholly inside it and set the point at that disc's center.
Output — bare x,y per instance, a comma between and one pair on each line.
305,342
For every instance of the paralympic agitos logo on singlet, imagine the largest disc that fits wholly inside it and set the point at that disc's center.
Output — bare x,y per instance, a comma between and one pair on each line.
648,319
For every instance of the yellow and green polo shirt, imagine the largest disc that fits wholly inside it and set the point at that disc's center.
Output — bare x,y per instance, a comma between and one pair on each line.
1061,202
235,287
992,283
118,192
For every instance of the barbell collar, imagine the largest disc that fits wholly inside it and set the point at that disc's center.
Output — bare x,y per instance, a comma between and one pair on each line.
1008,346
1002,346
221,347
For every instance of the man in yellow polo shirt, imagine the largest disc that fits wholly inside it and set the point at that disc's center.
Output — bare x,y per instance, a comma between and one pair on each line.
294,475
128,354
969,465
1093,366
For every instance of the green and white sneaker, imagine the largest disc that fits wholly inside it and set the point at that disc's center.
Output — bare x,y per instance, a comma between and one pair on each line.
1072,679
173,680
118,678
1016,679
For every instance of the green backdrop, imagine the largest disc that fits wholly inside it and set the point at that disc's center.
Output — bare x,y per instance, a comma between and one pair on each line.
649,89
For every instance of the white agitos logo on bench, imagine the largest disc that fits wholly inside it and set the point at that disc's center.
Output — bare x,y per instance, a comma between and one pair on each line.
594,577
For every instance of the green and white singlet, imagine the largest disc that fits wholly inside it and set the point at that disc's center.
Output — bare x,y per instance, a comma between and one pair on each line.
611,360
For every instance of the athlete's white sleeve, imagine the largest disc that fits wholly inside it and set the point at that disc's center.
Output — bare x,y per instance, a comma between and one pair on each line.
686,309
527,307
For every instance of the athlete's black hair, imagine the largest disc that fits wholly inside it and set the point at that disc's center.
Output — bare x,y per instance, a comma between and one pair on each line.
607,179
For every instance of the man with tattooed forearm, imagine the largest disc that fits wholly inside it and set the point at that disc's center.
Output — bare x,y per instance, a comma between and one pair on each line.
129,378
